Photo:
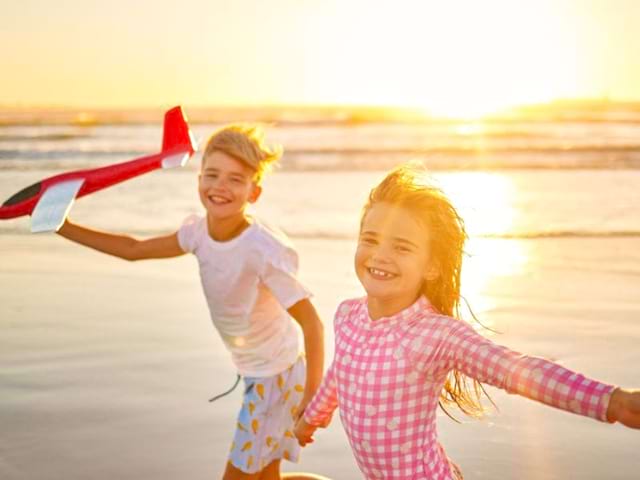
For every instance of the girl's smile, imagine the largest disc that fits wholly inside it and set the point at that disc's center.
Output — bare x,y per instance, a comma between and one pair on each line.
393,259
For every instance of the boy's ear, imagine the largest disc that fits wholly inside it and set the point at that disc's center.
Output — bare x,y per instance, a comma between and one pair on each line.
255,193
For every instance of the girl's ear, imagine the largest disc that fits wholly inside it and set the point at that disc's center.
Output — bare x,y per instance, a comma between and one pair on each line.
255,193
432,272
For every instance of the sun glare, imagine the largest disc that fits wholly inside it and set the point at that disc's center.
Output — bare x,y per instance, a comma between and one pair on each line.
486,201
465,64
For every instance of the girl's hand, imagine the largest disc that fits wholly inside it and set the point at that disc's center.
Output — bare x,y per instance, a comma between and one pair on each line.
301,408
304,432
624,407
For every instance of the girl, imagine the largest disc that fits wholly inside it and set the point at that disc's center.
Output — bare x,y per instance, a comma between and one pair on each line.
402,350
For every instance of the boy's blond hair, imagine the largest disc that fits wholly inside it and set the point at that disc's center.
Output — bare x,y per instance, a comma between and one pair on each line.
246,143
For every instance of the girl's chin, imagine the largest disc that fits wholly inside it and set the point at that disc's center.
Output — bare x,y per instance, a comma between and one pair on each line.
384,296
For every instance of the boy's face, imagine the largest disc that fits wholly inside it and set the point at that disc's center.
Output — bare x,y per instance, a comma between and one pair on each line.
226,186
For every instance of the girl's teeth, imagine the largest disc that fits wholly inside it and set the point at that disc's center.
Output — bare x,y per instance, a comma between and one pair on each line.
379,273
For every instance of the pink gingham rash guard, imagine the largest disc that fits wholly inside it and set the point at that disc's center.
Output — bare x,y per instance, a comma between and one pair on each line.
387,376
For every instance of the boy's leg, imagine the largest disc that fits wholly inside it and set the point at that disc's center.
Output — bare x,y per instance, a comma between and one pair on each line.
302,476
233,473
272,472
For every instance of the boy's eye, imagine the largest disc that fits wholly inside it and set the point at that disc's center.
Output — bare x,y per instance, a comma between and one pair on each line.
402,249
367,240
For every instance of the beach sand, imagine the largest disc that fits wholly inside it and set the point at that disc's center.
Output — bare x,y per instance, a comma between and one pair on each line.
106,366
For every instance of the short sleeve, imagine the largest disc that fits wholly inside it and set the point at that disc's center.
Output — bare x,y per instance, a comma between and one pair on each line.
280,276
187,234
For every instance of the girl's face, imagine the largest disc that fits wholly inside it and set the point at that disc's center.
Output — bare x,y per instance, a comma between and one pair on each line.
393,259
226,186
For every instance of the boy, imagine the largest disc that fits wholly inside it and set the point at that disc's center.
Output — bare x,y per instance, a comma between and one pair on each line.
248,275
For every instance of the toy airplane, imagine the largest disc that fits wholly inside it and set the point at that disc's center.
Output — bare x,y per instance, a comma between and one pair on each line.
49,201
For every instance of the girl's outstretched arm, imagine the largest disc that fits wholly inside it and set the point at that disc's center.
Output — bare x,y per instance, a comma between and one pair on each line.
532,377
624,407
122,246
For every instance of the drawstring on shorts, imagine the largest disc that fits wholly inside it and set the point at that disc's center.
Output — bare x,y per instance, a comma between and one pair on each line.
230,390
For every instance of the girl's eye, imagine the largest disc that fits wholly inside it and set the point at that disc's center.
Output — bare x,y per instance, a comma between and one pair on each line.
402,249
367,241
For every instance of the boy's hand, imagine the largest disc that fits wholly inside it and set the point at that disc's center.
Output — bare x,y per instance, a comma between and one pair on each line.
304,432
624,407
301,407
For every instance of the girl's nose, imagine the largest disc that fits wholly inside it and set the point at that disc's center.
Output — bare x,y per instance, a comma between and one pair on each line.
381,254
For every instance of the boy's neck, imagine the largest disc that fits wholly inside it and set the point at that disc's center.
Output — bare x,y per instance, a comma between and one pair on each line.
223,230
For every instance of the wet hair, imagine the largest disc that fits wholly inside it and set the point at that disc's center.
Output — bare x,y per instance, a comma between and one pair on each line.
245,143
408,187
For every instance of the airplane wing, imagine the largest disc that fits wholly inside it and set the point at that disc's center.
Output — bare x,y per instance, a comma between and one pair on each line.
48,201
54,205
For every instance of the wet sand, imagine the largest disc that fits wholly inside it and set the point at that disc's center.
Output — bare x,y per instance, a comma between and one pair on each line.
106,366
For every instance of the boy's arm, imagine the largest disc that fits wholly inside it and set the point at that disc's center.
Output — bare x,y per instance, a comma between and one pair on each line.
123,246
305,314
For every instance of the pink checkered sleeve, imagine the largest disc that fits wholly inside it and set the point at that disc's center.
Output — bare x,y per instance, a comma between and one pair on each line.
324,402
532,377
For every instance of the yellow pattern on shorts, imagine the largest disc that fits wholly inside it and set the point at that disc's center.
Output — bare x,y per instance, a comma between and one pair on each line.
264,428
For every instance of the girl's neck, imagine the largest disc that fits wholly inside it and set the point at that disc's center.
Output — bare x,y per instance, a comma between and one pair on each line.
380,307
223,230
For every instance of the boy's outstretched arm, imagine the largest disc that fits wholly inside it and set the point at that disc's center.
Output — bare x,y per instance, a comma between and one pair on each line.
624,407
122,246
305,314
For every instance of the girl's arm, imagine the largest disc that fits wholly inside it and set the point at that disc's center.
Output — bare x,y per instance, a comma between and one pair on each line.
535,378
122,246
624,407
305,314
318,413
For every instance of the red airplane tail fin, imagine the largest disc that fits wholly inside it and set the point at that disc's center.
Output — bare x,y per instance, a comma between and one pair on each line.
177,136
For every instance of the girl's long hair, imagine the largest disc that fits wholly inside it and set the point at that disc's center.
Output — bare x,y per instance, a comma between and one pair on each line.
407,186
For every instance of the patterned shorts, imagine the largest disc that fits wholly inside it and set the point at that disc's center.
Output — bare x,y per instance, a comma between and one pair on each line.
265,424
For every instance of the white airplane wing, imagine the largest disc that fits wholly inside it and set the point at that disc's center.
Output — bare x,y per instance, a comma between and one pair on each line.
175,160
54,205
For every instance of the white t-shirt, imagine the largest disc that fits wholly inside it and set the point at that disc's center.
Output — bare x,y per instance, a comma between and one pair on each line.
249,282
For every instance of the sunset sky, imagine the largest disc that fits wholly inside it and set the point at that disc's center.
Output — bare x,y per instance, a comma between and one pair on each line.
446,56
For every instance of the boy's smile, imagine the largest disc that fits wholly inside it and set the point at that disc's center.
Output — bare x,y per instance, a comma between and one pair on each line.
226,186
393,259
